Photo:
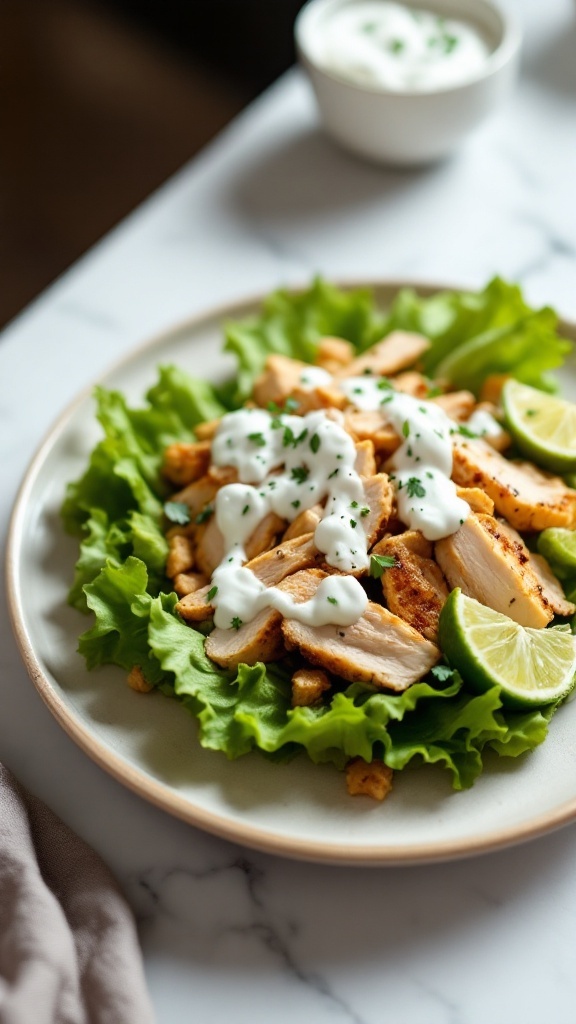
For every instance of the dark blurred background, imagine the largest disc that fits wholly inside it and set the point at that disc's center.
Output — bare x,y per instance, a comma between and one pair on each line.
101,100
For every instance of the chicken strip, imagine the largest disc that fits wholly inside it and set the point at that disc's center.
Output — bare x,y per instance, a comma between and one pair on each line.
414,587
270,568
397,351
528,498
258,640
489,566
551,587
185,463
379,648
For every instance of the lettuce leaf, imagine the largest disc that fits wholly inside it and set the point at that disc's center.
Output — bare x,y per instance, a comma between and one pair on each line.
475,334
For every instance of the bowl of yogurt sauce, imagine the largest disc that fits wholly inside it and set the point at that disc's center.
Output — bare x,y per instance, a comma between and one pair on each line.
403,83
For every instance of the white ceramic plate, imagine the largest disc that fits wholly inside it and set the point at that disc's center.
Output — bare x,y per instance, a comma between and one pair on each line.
149,742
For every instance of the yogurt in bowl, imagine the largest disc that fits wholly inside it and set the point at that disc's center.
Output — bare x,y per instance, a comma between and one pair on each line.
403,83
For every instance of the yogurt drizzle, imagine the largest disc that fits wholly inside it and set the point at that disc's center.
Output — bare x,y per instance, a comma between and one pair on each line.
286,464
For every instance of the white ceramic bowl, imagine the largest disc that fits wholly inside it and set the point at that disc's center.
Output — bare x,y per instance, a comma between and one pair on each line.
409,128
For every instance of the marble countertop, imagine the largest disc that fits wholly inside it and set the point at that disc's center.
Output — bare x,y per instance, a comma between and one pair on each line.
227,931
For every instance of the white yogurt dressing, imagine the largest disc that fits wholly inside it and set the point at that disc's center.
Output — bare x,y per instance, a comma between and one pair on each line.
393,46
422,465
483,424
286,464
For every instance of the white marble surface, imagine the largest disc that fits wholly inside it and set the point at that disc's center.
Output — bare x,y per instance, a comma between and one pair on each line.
228,933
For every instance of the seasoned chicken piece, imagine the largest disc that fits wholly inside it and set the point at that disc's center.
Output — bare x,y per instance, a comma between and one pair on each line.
308,685
414,587
197,495
365,464
379,648
368,425
374,779
334,353
205,431
281,375
552,592
180,555
528,498
137,681
259,640
223,475
189,583
379,496
270,568
210,550
412,383
396,352
551,587
306,522
321,397
489,566
491,389
458,405
477,499
184,463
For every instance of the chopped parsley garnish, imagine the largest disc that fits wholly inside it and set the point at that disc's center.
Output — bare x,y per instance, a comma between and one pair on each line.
465,431
357,391
211,594
353,524
353,504
300,474
291,404
365,511
236,622
380,562
177,512
415,488
406,428
396,46
332,600
296,504
384,384
333,473
272,407
204,515
315,443
258,439
434,391
245,509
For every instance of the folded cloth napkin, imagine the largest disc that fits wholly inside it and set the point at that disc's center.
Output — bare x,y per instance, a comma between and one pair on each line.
69,952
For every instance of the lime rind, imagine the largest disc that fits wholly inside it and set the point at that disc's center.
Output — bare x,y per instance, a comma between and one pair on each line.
543,426
532,667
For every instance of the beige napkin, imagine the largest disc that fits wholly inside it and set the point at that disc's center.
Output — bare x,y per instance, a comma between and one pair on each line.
69,952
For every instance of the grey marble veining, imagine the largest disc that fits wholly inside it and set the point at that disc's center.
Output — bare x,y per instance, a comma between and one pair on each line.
234,934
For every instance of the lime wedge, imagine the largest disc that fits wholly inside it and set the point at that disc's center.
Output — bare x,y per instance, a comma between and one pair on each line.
543,426
531,666
558,545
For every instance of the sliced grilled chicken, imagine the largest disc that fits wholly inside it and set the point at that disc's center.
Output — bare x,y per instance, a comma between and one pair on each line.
551,587
483,560
412,383
368,425
306,522
210,549
270,568
379,495
458,405
281,379
528,498
414,587
333,353
381,648
180,555
259,640
185,463
398,351
365,464
198,494
477,499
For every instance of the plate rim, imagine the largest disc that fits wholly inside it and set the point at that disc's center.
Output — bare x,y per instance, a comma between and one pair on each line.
160,794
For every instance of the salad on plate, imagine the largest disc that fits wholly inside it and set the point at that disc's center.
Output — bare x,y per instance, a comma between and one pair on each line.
361,548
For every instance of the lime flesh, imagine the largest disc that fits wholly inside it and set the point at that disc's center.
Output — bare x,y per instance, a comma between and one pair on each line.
531,666
543,426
